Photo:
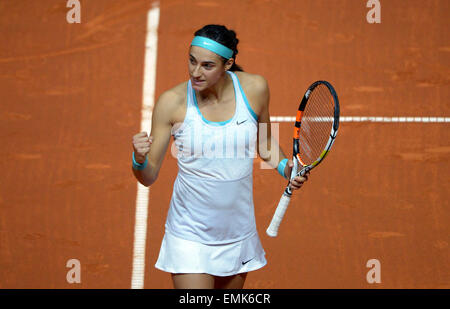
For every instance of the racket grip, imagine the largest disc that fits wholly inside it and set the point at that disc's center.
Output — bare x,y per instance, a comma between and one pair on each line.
272,230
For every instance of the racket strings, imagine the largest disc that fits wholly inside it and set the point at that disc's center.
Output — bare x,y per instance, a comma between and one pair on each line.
317,122
317,118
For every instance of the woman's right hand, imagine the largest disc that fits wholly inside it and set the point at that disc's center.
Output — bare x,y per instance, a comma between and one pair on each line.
141,146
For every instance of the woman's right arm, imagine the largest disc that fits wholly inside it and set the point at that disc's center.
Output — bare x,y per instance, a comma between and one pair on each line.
154,147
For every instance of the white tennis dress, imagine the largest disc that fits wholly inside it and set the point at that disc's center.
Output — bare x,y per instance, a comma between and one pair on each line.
210,226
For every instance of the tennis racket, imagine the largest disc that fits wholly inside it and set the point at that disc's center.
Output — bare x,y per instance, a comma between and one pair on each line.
315,130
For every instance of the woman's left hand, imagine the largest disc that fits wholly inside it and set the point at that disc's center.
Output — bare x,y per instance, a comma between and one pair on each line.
297,182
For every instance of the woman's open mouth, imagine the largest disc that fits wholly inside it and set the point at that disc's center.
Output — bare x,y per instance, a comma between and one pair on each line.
197,82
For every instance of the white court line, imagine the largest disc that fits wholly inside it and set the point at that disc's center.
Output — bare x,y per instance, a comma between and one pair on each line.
372,119
140,228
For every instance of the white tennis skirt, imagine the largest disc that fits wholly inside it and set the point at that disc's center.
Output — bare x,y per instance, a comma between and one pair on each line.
189,257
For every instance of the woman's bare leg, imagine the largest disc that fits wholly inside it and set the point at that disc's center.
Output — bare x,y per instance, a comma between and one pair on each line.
193,281
230,282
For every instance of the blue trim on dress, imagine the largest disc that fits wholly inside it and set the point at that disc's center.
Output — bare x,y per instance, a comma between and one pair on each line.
246,101
222,123
215,123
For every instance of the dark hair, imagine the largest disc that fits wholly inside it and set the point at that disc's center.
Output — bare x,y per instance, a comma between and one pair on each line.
224,36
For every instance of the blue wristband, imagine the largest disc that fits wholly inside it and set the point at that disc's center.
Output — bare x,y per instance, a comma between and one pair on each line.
281,167
139,166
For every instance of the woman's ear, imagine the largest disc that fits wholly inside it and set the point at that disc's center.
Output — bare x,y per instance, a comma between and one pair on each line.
229,64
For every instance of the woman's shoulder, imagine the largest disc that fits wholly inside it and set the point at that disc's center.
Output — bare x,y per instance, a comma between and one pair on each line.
251,81
176,93
256,90
173,97
171,104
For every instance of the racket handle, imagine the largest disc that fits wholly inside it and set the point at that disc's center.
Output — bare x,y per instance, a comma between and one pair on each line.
272,230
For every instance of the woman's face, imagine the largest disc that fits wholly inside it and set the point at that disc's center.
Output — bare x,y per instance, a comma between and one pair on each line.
205,67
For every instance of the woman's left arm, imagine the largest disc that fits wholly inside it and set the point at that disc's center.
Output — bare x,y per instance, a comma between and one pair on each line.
268,147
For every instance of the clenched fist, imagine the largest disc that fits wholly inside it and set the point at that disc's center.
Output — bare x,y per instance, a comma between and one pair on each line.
141,146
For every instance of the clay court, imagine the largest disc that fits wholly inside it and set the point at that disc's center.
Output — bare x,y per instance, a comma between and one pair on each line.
72,97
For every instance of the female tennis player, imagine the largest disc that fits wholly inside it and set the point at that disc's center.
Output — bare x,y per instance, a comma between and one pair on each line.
210,237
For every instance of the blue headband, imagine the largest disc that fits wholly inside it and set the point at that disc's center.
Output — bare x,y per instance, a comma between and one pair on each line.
212,46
